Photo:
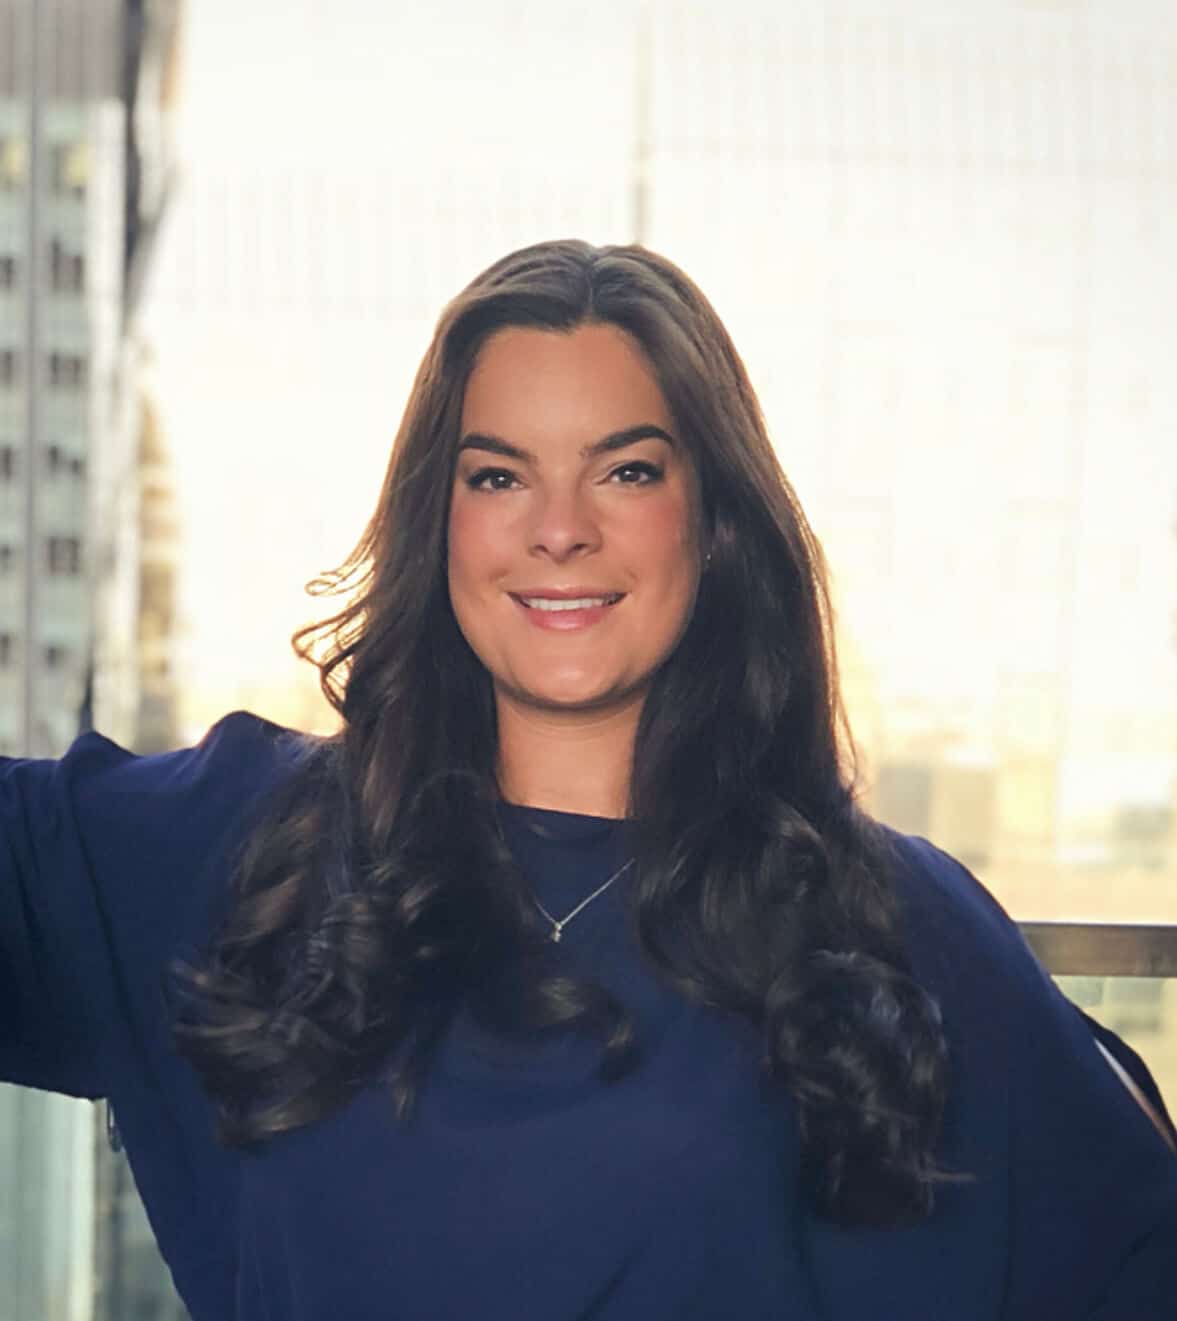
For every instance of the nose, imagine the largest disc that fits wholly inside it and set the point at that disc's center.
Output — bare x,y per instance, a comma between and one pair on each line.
564,525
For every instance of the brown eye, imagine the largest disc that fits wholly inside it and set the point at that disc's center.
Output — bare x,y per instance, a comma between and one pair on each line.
490,479
637,473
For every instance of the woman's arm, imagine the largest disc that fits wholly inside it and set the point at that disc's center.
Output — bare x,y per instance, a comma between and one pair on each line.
46,1031
1091,1211
101,855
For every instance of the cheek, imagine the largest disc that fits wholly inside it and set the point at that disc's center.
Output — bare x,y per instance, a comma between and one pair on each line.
472,543
663,539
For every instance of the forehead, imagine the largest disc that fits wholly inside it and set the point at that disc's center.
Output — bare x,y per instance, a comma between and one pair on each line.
528,382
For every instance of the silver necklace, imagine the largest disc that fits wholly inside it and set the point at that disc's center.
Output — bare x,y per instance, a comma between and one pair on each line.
558,926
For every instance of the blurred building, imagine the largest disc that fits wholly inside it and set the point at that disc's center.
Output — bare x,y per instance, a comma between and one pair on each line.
83,170
846,181
135,702
997,502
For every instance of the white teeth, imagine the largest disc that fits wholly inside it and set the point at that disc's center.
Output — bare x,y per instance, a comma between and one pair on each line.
578,603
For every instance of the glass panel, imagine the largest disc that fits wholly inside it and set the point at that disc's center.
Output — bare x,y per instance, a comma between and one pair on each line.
1142,1010
132,1282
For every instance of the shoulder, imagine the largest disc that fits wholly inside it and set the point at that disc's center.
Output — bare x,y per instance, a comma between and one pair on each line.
1089,1181
236,760
98,787
239,739
177,814
970,954
953,924
935,883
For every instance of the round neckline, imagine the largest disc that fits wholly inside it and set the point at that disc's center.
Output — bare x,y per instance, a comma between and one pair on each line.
552,824
560,812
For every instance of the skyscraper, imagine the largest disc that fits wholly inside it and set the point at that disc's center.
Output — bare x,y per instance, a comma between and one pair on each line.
79,197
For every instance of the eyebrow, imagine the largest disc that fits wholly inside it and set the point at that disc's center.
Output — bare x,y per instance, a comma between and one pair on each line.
615,440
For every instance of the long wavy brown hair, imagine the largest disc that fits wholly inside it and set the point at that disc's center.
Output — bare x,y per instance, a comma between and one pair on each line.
376,896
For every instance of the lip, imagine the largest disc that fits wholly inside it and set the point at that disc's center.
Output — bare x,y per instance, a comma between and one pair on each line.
565,593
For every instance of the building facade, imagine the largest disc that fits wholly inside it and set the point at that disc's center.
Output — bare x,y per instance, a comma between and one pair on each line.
82,187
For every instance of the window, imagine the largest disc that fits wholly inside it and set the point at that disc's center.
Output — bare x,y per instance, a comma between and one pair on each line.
9,367
7,462
7,650
13,159
65,556
55,656
67,370
67,270
7,557
71,169
59,462
9,271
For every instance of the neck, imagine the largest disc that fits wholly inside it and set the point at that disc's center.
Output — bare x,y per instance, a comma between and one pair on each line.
566,761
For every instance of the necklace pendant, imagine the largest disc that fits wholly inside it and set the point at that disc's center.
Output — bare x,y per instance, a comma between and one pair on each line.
558,927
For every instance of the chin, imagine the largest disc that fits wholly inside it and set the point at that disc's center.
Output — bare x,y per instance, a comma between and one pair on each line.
566,699
573,696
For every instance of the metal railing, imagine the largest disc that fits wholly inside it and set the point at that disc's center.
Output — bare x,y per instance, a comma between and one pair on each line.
1104,949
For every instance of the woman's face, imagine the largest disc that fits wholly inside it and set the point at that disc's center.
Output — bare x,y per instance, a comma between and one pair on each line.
573,561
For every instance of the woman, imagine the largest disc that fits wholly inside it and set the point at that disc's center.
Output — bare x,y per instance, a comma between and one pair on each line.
568,980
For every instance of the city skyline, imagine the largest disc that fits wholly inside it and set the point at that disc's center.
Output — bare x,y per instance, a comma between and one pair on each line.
949,287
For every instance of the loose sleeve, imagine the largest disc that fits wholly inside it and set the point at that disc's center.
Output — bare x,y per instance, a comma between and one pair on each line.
1092,1186
99,854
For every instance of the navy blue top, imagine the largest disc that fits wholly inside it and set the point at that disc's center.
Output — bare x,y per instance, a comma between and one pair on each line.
526,1188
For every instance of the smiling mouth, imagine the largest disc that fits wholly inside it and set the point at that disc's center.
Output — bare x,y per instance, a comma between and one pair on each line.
553,605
